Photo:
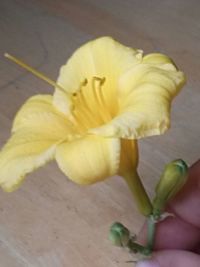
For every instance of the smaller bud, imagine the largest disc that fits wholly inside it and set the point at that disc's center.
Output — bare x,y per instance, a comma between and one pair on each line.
172,180
119,235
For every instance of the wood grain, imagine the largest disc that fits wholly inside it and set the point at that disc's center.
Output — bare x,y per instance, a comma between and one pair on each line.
49,221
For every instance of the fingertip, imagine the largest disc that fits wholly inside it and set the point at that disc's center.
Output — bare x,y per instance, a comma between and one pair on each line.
169,258
186,203
147,263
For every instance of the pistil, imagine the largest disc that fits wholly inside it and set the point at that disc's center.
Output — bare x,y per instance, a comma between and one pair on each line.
34,72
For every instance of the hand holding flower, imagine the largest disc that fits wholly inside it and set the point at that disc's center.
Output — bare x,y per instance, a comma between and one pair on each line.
177,238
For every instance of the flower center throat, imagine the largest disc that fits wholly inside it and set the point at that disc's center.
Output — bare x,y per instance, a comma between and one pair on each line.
90,108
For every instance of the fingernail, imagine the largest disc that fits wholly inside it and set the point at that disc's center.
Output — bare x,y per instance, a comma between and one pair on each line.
147,263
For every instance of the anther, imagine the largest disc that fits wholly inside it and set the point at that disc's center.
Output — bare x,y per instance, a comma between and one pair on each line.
98,79
84,83
102,81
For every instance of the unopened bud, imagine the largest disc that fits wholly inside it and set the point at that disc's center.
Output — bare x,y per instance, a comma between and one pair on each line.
172,180
119,235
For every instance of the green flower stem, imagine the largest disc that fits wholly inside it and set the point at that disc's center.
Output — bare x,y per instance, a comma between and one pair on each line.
142,200
145,250
151,227
137,248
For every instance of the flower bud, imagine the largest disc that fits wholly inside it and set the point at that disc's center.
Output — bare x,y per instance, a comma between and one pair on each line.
119,235
173,178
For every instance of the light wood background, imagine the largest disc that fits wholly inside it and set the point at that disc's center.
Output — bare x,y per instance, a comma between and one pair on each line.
49,221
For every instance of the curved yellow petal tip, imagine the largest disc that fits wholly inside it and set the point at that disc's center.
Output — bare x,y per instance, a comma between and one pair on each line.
11,186
21,156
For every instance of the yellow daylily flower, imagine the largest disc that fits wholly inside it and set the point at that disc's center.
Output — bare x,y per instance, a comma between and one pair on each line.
112,96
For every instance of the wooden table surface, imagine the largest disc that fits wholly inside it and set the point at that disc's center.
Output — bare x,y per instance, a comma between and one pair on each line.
50,221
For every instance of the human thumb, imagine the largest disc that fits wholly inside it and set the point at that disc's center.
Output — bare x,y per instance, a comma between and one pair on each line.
171,258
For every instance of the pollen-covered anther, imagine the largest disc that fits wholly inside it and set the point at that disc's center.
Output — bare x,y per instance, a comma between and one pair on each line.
82,84
100,81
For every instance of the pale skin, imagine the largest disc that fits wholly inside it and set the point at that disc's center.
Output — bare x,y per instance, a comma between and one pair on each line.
177,241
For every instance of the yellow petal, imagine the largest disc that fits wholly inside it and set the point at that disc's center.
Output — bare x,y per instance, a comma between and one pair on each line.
160,60
145,95
24,152
38,114
89,159
37,129
103,57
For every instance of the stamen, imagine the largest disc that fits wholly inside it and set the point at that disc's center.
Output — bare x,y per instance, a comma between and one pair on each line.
83,112
34,72
90,105
83,83
100,98
97,89
100,80
82,98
